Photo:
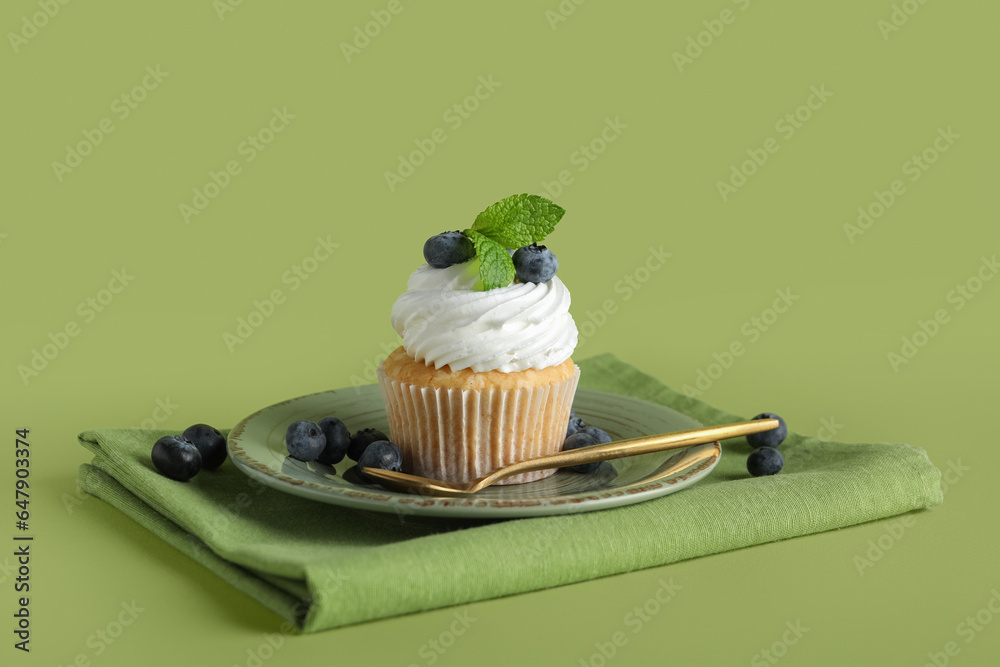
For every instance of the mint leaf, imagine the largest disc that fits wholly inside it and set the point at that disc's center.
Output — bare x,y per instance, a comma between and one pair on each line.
496,267
518,220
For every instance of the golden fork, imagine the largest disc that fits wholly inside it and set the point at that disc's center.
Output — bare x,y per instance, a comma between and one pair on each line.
401,481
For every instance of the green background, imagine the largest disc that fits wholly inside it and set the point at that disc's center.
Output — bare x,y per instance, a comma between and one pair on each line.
162,338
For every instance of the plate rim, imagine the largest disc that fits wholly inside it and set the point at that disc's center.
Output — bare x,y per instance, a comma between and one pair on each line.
367,499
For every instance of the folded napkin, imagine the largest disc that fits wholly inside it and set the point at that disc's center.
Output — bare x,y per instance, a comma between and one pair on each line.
322,566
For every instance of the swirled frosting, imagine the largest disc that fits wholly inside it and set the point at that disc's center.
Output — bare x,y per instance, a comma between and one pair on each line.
445,322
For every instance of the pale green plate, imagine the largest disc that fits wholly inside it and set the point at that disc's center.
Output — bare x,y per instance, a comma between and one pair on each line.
257,447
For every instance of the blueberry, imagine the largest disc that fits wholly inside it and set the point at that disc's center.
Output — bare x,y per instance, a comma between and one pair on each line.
304,440
337,439
448,248
765,461
535,264
771,438
381,454
361,440
176,458
210,443
581,439
575,424
597,434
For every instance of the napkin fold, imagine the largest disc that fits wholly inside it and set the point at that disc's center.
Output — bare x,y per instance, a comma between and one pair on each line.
322,566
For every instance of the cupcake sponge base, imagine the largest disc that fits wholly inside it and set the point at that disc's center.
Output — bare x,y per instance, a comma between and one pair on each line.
462,425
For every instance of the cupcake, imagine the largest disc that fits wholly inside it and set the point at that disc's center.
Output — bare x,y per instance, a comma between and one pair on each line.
484,377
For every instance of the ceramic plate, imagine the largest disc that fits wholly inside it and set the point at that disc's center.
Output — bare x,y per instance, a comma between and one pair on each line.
257,447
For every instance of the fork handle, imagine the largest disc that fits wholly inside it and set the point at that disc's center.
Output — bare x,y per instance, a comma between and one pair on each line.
635,446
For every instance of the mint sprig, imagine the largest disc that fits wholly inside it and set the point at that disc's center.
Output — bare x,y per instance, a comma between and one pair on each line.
516,221
495,266
519,220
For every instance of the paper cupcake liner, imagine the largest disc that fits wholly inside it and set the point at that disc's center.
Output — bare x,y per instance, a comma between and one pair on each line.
462,434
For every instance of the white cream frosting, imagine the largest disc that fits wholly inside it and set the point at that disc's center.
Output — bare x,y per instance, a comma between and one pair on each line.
445,322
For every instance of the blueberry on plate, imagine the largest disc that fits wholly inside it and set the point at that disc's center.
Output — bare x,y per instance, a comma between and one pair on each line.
176,458
361,440
597,434
765,461
210,443
535,264
304,440
448,248
337,440
380,454
771,438
575,424
581,439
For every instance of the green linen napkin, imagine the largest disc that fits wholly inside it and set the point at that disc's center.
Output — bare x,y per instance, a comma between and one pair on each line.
322,566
